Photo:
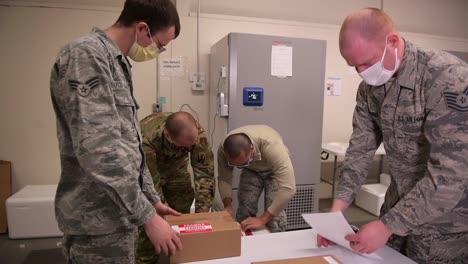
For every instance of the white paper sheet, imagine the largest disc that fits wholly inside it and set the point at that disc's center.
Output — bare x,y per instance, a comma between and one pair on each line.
334,227
173,67
281,60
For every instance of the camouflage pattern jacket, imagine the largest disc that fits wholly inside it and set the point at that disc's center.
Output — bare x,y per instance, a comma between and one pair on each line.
104,185
421,115
168,163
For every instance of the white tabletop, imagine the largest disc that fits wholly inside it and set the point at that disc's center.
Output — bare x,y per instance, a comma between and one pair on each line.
296,244
339,148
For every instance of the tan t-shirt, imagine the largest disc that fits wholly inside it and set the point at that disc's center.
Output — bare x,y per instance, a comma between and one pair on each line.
270,155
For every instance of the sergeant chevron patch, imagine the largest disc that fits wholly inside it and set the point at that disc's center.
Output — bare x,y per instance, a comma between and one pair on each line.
84,89
457,101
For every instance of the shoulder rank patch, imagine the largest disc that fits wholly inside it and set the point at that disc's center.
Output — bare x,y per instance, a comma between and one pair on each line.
201,158
457,101
200,130
84,89
204,142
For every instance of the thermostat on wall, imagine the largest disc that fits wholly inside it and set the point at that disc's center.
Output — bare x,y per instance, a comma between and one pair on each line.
253,96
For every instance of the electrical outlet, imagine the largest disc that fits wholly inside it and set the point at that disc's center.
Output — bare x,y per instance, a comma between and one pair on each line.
223,72
198,82
224,110
156,108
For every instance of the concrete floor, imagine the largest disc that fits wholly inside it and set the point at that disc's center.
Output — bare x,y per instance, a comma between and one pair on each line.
36,251
30,251
355,215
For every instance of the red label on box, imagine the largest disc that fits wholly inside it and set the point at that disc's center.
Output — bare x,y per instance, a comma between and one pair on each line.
193,228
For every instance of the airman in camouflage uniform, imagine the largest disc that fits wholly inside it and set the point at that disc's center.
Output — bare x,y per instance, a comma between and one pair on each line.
168,164
421,116
105,190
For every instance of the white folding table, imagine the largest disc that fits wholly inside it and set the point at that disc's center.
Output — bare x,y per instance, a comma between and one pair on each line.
296,244
338,149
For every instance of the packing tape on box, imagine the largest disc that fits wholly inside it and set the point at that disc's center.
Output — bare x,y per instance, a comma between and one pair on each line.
330,260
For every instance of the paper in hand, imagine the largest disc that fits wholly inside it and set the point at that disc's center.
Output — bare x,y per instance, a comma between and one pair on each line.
334,227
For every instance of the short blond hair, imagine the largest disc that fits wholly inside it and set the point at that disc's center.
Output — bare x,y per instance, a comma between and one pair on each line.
370,24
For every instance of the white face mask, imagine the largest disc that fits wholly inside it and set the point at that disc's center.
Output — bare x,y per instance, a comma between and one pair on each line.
376,74
138,53
247,163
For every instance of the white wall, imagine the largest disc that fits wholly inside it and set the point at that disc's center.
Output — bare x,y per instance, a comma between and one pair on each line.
31,38
411,16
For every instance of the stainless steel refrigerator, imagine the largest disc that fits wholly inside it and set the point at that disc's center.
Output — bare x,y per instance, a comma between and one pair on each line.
276,81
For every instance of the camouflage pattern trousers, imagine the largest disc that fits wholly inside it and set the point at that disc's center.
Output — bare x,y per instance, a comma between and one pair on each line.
433,248
179,197
427,248
146,254
116,248
251,186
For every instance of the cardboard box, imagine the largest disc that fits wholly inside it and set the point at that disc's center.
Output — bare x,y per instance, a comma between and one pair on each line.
326,259
5,192
206,236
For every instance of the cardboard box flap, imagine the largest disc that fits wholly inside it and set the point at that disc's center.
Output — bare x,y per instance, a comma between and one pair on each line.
326,259
199,216
219,221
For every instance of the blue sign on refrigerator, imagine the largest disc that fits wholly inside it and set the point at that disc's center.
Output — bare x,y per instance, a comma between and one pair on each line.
253,96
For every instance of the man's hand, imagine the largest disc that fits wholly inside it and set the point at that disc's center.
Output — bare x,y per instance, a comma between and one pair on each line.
338,205
227,202
256,222
163,210
252,223
228,209
323,242
371,237
162,236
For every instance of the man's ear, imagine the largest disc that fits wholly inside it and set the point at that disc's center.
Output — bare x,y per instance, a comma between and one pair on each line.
166,134
393,39
141,26
138,26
